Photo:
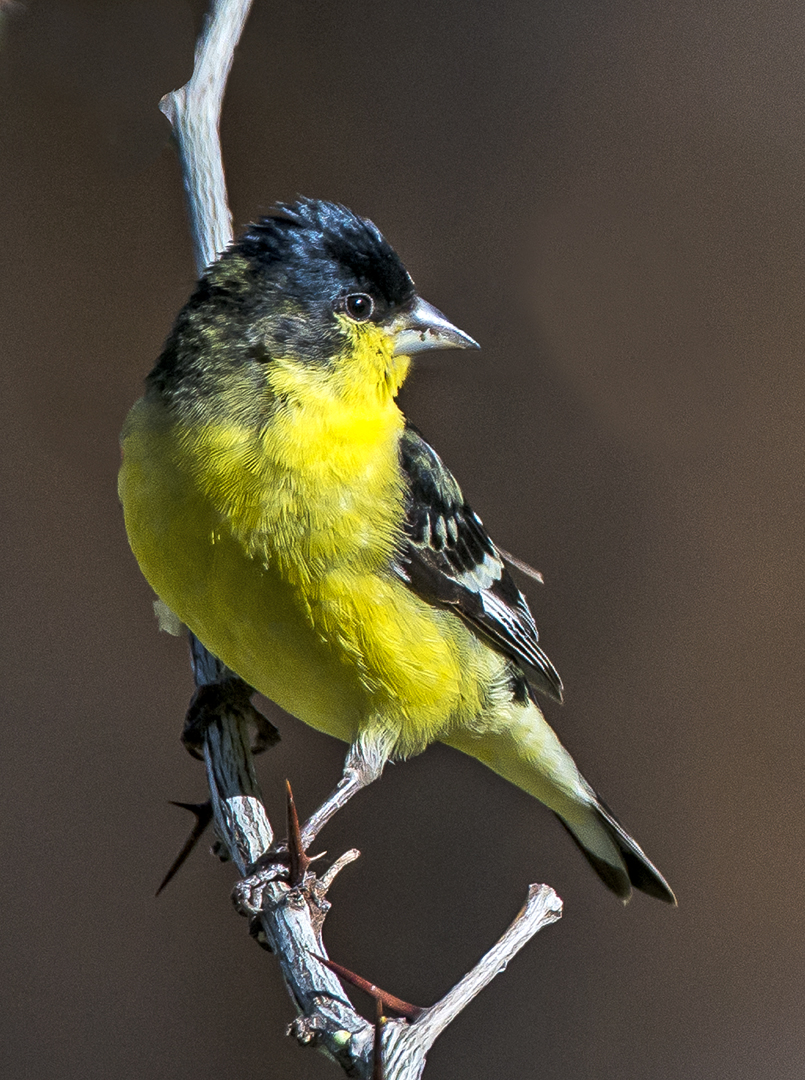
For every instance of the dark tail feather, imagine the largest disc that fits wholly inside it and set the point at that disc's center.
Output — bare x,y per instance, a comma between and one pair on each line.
635,868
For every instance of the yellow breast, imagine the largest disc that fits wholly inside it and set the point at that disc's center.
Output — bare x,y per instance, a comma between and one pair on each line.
274,546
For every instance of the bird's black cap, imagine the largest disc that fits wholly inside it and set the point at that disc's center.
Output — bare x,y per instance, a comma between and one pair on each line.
310,244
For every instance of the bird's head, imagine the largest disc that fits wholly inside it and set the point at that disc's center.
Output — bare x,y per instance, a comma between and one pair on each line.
312,302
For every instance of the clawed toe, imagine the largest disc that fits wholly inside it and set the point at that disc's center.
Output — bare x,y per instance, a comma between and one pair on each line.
229,697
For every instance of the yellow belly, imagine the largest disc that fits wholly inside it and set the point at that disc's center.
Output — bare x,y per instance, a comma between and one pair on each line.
342,645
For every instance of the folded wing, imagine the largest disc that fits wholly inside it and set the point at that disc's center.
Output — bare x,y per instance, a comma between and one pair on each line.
448,559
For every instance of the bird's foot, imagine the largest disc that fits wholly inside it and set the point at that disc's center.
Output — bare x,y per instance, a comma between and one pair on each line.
286,861
229,697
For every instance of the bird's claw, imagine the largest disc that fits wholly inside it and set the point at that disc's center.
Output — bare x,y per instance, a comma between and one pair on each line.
229,697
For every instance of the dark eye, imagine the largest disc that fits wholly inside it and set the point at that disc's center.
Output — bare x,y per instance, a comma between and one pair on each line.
359,306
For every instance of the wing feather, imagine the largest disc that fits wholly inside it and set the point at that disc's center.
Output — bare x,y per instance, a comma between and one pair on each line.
448,558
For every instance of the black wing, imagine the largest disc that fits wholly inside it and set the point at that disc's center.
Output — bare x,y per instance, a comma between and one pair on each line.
449,559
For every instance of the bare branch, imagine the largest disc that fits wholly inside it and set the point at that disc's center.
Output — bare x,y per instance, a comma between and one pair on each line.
328,877
382,998
194,112
408,1046
292,916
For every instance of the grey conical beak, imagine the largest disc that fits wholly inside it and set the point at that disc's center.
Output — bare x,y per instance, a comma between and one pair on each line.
423,327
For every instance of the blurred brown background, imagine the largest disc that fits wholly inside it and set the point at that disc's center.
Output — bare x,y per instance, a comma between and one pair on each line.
610,198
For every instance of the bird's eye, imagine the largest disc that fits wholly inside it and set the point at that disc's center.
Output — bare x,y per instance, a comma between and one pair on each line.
359,306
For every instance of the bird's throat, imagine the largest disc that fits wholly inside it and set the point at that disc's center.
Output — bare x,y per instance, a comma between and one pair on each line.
309,483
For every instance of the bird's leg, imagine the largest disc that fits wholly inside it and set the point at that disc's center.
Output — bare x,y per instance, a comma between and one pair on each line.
364,764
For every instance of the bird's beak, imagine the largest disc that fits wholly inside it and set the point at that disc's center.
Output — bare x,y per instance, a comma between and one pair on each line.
423,327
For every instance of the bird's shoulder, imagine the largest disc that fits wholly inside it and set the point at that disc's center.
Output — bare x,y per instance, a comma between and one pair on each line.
448,558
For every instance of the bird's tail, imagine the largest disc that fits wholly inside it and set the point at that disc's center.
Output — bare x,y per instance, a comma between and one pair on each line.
525,750
618,860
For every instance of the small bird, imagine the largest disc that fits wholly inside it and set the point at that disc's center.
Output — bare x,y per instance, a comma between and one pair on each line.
280,504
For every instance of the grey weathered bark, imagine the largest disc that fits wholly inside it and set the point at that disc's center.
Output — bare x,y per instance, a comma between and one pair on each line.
287,915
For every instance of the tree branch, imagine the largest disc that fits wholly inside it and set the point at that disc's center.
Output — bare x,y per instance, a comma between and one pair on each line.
406,1046
194,112
287,916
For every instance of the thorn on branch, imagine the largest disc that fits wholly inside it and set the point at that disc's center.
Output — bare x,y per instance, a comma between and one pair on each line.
377,1050
298,860
203,815
382,999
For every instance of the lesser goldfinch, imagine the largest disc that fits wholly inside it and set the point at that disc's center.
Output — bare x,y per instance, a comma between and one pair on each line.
282,507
